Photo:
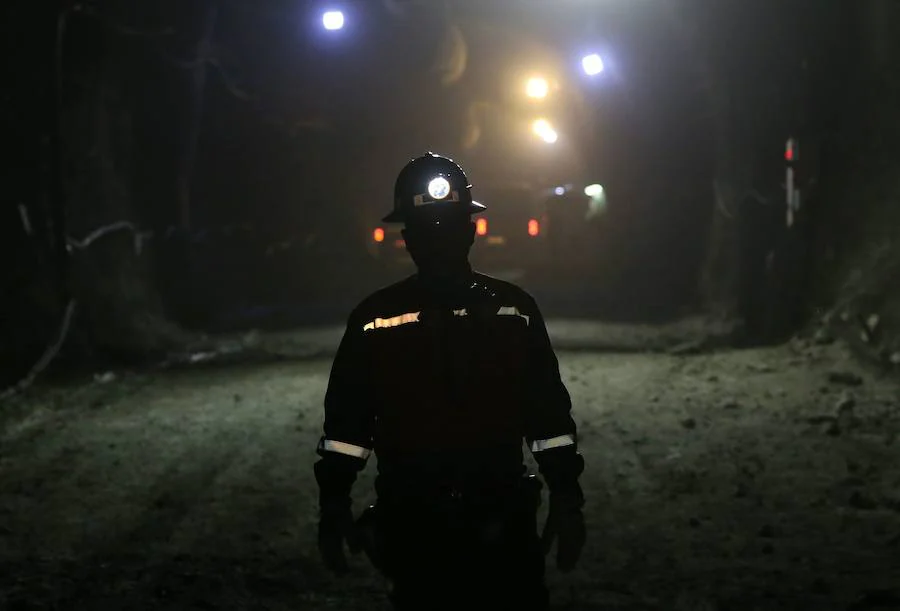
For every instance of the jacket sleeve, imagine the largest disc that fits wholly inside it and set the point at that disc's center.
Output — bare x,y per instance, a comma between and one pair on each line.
349,416
551,432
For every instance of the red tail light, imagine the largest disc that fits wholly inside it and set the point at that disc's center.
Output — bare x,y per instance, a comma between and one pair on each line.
481,226
534,227
378,234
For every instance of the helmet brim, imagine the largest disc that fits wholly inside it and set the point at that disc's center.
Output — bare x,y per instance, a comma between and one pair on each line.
398,216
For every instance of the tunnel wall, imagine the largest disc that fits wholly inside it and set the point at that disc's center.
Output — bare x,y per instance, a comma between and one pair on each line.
856,278
838,272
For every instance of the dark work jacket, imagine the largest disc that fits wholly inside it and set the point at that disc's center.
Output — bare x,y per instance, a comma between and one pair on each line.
444,389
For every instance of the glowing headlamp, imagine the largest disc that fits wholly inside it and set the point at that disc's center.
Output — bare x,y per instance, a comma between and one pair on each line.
439,188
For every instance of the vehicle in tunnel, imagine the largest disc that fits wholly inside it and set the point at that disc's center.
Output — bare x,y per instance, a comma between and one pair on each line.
385,244
571,214
524,231
509,235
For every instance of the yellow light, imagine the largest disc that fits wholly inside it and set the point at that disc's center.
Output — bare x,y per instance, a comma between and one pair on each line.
534,227
537,88
545,131
378,234
481,226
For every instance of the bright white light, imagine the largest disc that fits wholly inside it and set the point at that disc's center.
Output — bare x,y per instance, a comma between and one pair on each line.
594,190
333,20
592,64
560,190
537,88
439,188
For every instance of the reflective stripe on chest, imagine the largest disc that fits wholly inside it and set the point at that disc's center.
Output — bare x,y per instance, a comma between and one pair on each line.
393,321
414,317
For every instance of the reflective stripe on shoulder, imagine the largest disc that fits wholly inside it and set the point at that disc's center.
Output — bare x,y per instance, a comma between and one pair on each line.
513,311
393,321
341,447
539,445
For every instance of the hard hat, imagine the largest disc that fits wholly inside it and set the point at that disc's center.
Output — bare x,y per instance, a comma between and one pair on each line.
431,183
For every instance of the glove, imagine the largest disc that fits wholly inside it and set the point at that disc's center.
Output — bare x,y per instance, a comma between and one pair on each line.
336,526
565,525
335,475
370,538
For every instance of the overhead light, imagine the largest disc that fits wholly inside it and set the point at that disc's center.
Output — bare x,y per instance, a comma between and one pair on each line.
550,136
537,88
545,131
592,64
333,20
594,190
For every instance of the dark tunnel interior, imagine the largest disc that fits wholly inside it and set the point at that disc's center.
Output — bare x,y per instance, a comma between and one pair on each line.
664,377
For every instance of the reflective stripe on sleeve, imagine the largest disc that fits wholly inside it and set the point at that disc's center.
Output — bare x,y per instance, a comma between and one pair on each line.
513,311
539,445
340,447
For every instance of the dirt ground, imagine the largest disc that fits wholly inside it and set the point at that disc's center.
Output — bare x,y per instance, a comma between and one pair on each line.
762,479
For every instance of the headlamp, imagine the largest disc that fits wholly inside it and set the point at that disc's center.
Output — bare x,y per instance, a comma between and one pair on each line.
439,188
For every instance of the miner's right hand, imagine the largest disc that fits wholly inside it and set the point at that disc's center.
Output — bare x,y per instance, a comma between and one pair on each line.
335,527
565,525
